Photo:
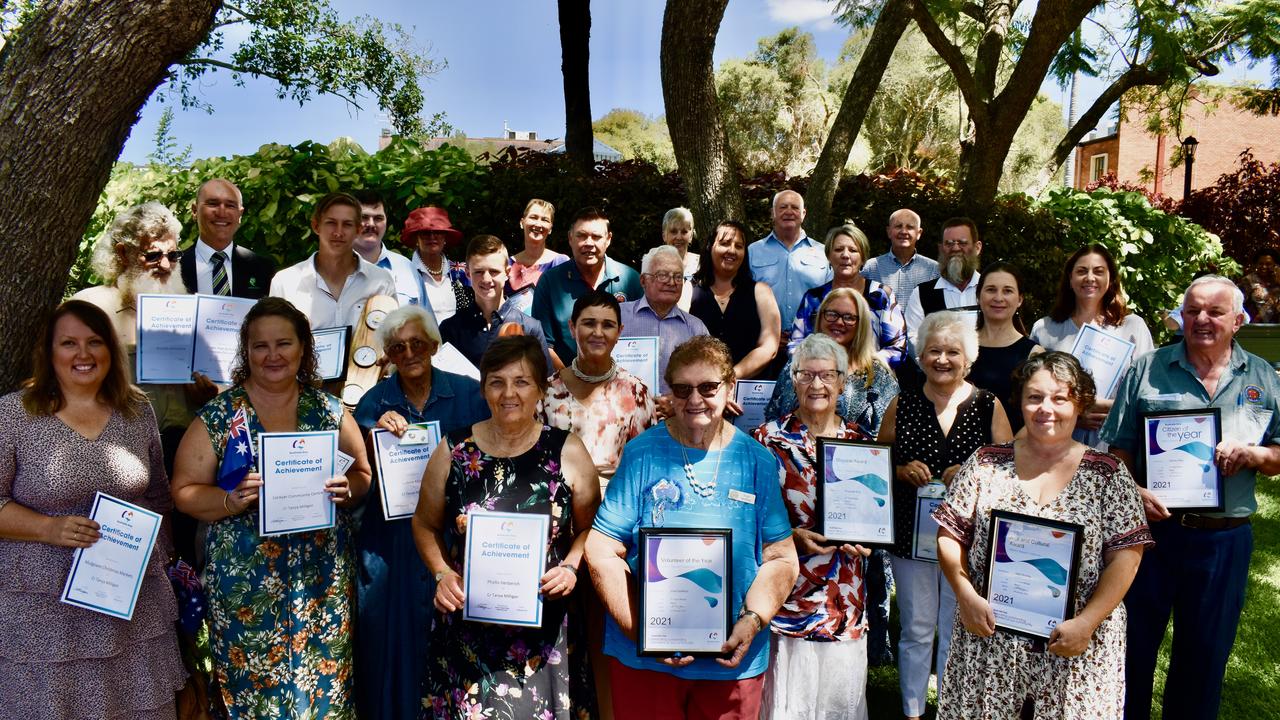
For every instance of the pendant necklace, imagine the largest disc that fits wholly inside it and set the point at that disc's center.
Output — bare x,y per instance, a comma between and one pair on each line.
702,488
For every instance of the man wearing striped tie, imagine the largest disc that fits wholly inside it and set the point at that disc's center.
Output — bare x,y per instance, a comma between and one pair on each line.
216,265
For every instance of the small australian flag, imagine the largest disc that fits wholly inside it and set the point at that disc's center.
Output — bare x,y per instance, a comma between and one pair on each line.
237,456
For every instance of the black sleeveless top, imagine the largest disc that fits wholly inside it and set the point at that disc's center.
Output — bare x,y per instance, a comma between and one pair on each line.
992,369
738,325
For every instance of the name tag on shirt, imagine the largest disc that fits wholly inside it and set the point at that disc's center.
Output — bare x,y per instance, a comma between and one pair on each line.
742,497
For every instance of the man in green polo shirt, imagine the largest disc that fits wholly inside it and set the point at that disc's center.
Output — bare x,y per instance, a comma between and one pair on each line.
591,269
1200,564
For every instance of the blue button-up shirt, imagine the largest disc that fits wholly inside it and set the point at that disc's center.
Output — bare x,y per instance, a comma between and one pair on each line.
790,272
901,277
562,285
640,320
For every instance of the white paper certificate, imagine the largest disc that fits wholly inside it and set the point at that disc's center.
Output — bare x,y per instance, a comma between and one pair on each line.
752,396
924,545
854,496
1178,458
400,468
331,351
106,576
1104,355
506,557
684,598
1031,572
639,356
217,338
166,334
295,467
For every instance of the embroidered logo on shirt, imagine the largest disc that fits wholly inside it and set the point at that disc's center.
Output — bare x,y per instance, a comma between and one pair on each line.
1253,394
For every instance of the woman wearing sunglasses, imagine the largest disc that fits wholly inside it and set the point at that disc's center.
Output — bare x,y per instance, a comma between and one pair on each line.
694,471
392,583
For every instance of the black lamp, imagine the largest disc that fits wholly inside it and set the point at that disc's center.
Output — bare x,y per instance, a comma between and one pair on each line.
1188,160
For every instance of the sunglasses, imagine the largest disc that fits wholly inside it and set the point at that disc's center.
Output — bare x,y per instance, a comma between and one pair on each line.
415,346
155,255
706,389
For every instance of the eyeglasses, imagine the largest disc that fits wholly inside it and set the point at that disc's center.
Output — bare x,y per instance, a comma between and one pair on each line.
155,255
706,389
806,377
956,243
667,278
832,316
415,345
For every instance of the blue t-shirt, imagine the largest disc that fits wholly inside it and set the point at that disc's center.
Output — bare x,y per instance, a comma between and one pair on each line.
630,503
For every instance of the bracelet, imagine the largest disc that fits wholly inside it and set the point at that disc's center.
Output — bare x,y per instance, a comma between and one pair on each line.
226,497
570,568
752,614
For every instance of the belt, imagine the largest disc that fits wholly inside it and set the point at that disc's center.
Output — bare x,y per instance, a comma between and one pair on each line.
1204,522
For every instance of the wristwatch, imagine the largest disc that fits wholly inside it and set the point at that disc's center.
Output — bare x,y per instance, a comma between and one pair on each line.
744,612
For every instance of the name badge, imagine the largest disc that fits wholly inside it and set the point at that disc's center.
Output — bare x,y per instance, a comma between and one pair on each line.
743,497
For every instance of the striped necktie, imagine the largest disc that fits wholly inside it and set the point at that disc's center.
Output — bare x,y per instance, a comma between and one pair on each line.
220,284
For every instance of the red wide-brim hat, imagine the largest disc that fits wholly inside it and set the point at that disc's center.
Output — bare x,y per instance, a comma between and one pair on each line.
429,219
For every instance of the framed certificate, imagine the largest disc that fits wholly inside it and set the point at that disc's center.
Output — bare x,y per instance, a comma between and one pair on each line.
401,462
295,467
1177,456
854,495
752,396
639,356
106,576
686,584
1105,355
924,541
1032,565
506,556
331,352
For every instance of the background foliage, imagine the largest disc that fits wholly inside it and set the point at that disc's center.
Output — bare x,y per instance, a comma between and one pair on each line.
1242,207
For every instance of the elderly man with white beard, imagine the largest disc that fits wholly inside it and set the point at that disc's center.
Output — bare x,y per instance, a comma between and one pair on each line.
957,289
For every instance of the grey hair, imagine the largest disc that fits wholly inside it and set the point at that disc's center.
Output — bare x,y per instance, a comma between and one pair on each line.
1237,297
948,323
133,228
395,321
773,204
679,214
661,251
819,346
909,211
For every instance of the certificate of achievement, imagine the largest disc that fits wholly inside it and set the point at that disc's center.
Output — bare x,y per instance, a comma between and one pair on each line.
451,359
854,497
506,556
639,356
295,466
752,395
166,336
107,575
686,579
1104,355
331,352
217,338
1178,461
1031,572
924,543
400,467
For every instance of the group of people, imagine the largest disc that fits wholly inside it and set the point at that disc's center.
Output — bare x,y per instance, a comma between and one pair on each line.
928,358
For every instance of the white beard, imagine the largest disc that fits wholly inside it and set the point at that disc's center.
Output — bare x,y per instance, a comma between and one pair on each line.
959,269
141,281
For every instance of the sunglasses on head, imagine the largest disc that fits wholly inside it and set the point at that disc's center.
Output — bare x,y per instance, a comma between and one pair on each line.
155,255
706,389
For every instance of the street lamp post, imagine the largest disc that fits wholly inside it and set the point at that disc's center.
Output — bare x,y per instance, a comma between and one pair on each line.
1188,160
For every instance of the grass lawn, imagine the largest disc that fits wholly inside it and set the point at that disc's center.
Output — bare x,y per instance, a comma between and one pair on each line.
1252,686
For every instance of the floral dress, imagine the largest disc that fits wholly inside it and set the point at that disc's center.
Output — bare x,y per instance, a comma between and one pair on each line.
501,671
622,410
280,607
992,677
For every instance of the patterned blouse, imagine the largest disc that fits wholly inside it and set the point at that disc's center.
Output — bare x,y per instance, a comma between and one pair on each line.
891,323
828,599
622,410
858,404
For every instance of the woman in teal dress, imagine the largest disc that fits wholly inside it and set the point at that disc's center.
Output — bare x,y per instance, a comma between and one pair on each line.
280,607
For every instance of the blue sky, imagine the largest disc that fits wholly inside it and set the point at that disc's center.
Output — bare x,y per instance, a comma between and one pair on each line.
503,65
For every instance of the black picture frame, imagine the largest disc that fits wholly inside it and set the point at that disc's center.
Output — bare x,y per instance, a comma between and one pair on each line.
725,537
1073,570
885,540
1144,459
915,529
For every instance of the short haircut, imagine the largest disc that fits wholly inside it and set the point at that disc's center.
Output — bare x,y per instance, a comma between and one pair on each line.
679,215
269,306
210,181
820,347
701,349
482,245
658,252
862,348
510,350
395,321
138,226
1266,252
42,395
908,211
854,233
1064,368
587,214
538,202
774,203
705,275
596,298
1237,297
1000,266
1114,309
325,203
948,324
962,221
369,197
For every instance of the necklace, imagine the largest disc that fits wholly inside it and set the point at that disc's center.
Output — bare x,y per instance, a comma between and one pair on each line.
605,376
707,487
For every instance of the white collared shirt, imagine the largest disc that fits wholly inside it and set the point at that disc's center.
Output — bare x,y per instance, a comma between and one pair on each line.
408,289
951,295
439,293
301,285
204,266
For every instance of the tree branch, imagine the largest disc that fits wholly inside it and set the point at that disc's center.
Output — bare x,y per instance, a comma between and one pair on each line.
285,80
953,57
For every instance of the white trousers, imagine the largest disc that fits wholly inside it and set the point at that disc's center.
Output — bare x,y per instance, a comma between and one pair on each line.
926,604
815,680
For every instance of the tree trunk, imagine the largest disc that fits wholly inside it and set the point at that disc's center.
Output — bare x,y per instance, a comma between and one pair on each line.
698,136
575,56
73,80
825,180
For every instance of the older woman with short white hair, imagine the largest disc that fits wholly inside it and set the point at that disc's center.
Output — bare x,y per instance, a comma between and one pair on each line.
678,232
933,430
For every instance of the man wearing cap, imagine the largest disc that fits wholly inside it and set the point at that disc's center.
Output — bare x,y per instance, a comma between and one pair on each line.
369,245
444,285
591,269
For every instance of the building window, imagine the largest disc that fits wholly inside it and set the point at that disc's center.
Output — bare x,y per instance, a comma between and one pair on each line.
1097,167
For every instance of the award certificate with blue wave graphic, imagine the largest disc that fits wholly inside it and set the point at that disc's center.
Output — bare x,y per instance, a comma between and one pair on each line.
686,578
1031,572
1105,355
506,557
1178,458
854,493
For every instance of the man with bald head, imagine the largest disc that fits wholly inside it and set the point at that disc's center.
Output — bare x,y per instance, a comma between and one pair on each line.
787,259
216,265
902,268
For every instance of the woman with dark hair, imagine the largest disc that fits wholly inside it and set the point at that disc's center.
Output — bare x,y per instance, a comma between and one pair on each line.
740,312
1090,292
1002,338
280,607
508,463
1261,287
76,428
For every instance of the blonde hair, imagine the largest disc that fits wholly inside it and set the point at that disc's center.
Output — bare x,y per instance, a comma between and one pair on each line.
862,348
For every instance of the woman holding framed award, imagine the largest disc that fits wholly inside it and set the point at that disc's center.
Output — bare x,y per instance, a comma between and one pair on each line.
819,662
1040,540
517,649
283,602
933,430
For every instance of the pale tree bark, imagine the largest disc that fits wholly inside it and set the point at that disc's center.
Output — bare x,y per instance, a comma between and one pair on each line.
73,80
824,182
698,136
575,56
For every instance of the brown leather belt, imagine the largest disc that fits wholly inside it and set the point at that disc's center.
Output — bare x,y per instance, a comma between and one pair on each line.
1204,522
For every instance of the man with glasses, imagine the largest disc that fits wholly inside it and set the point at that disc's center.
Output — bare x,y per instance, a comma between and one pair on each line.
216,265
957,289
657,314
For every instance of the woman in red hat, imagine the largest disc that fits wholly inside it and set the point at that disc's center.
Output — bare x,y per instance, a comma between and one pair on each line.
445,288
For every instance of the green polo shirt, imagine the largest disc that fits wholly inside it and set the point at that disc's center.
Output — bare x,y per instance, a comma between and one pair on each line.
562,285
1248,397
